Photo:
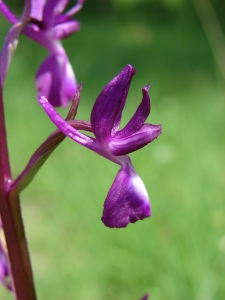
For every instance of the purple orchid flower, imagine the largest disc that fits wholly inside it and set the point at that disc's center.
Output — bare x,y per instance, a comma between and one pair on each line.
127,200
55,78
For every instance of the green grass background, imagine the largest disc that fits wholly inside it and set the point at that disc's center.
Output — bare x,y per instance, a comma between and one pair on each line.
178,253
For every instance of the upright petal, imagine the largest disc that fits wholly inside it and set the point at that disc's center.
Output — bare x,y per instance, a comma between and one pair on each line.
52,9
70,13
127,200
107,110
138,118
55,80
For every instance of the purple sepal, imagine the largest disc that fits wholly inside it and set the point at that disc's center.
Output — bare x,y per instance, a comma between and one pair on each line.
55,80
108,107
146,134
62,31
138,118
127,200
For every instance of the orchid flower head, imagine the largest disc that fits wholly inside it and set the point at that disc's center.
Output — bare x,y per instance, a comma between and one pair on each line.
48,25
127,200
55,78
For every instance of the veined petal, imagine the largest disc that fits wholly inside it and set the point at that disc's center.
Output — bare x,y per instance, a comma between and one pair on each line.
107,110
138,118
127,200
146,134
55,80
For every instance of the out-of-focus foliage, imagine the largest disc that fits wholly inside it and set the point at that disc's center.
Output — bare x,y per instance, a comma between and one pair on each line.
133,3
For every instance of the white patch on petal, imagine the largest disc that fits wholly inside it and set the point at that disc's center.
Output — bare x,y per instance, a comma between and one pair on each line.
139,186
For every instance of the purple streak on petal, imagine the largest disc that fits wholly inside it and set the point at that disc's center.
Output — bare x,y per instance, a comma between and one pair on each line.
55,80
146,134
138,118
107,110
63,30
127,200
37,7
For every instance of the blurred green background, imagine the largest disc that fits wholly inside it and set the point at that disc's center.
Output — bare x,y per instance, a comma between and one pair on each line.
178,253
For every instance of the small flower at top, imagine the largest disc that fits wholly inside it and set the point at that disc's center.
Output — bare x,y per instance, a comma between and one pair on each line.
127,200
48,25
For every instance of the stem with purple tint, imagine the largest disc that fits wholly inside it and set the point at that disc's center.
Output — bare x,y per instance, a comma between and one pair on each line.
10,211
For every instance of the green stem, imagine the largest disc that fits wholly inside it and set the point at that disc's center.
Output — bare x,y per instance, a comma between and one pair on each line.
13,224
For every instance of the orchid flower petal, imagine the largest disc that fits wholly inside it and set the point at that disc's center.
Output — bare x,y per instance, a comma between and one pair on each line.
127,200
67,129
11,42
146,134
37,8
52,9
55,79
7,13
70,13
138,118
63,30
107,110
